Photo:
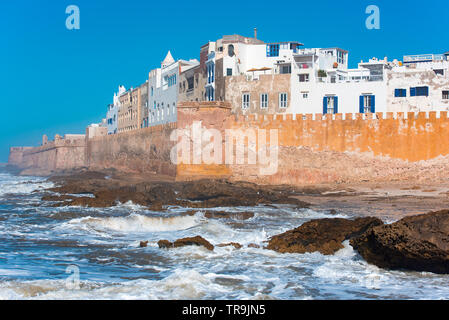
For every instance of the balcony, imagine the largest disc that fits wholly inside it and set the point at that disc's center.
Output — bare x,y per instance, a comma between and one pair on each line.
423,58
304,65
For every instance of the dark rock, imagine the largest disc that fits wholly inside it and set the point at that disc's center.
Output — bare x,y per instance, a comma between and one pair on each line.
165,244
228,215
143,244
156,194
194,241
234,244
419,243
253,245
156,207
57,198
323,235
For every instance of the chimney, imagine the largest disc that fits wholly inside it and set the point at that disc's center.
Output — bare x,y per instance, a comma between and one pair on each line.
255,33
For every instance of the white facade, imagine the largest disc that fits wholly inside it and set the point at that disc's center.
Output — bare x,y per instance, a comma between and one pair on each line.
112,113
163,90
322,83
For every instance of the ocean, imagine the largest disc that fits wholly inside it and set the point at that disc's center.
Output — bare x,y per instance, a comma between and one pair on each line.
94,253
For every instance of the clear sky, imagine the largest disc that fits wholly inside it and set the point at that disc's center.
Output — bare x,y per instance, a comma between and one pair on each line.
55,80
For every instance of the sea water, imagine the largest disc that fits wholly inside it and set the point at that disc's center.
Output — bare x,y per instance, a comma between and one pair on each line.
48,252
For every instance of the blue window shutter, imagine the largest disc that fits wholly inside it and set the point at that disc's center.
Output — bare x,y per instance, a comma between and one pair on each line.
373,104
412,92
361,105
335,104
426,91
324,105
397,92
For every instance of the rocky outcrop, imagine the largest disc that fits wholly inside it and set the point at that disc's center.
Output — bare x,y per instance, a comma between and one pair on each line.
156,195
229,215
233,244
143,244
322,235
165,244
194,241
419,243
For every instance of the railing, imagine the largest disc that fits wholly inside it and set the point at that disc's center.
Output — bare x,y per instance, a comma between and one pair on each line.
349,80
304,65
424,57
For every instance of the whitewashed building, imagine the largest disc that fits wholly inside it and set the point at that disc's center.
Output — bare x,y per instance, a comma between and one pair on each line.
163,90
321,82
112,113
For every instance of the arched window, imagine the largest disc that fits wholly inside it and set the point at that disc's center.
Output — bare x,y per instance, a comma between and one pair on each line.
231,50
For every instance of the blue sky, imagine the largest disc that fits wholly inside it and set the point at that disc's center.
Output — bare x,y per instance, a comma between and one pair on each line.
58,81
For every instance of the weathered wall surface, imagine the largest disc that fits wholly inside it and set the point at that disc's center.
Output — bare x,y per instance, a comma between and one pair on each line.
212,115
333,149
57,155
271,84
339,148
16,155
145,150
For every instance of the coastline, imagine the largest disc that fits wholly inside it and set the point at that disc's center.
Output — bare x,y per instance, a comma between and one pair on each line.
389,201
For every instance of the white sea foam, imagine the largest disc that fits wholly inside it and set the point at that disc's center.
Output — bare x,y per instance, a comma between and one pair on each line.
21,185
138,223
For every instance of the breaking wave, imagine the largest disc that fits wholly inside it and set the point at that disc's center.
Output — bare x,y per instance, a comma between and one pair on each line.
139,223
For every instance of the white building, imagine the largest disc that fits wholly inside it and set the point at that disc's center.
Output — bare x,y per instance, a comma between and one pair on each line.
321,82
163,90
112,113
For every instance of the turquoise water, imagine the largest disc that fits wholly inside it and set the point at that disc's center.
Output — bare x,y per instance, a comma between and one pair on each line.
86,253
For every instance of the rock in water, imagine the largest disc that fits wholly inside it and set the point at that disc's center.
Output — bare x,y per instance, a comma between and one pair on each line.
234,244
419,243
143,244
323,235
165,244
194,241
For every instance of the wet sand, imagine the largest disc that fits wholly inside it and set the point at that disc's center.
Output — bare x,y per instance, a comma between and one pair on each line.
390,202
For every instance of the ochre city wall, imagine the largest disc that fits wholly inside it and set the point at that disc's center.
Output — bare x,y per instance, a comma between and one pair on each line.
329,149
52,157
338,148
143,151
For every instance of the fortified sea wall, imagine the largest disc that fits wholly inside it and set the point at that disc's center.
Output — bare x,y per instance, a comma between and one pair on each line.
311,148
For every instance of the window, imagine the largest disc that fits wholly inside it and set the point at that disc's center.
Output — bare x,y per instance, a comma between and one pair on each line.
283,100
245,100
305,95
272,50
264,100
286,69
229,72
367,103
304,77
439,71
330,104
190,83
231,50
400,93
419,92
446,95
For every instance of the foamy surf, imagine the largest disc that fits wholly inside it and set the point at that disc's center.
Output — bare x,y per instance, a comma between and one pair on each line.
139,223
37,244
